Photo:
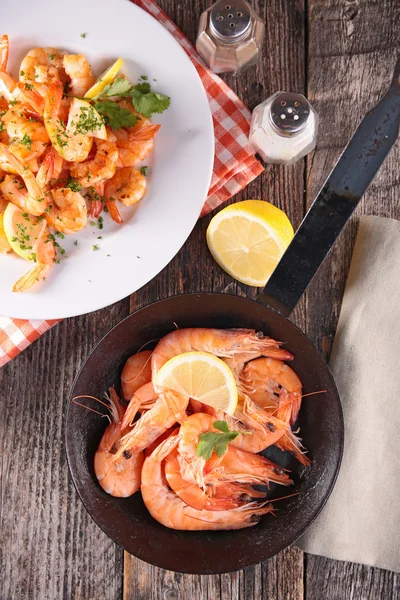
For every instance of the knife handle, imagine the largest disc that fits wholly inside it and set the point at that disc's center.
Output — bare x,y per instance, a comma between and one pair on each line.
336,202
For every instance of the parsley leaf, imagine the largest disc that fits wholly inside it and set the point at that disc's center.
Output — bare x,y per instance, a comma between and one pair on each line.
146,102
114,115
143,170
143,88
119,87
216,442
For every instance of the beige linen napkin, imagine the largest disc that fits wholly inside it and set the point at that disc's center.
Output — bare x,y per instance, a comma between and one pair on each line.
361,521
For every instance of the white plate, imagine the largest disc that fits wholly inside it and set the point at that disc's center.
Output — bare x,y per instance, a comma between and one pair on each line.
180,166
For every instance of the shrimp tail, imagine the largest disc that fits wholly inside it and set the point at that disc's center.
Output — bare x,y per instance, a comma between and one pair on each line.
130,413
291,443
29,279
113,211
32,97
4,45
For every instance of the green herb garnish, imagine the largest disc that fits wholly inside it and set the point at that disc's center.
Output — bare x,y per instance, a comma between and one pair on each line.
114,115
143,170
26,140
216,442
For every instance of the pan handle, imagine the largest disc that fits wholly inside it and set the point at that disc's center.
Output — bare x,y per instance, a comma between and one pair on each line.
336,202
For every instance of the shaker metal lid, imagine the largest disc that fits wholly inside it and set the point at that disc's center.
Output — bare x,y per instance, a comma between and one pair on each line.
290,112
230,20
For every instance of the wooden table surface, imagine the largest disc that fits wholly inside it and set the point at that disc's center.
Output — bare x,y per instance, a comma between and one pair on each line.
340,53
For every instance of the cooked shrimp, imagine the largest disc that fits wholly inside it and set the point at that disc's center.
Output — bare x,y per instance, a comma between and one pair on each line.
28,137
50,170
7,83
234,465
169,510
222,496
169,408
28,197
128,186
43,66
43,254
70,144
143,399
78,70
118,478
263,378
67,211
95,198
245,467
136,372
134,143
102,166
225,343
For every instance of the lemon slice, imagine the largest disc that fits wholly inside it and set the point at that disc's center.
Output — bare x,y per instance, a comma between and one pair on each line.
104,79
248,239
201,376
85,119
22,231
4,244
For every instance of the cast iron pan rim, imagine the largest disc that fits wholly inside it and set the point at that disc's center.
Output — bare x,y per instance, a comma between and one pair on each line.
311,518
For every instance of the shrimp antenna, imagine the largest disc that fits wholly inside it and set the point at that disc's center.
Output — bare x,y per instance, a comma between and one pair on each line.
313,393
75,398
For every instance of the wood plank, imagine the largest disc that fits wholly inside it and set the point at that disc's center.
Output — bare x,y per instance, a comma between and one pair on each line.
282,67
352,50
49,546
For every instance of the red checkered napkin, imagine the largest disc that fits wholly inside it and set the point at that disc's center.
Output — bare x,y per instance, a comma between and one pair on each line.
234,167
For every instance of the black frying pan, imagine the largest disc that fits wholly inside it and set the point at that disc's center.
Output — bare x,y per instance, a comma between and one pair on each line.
127,521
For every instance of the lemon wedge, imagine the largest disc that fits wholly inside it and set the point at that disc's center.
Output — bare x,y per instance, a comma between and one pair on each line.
203,377
22,231
4,243
248,239
105,79
84,118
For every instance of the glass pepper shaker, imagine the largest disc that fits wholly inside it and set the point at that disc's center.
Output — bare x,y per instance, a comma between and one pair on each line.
284,128
230,36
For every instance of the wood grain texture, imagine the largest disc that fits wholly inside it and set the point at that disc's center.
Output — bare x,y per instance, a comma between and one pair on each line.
352,50
49,546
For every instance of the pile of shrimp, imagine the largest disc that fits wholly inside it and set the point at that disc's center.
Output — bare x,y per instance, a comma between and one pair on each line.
42,151
152,439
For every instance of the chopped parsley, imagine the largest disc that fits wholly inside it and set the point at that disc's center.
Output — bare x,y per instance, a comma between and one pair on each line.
83,35
100,224
51,56
144,77
88,120
92,223
28,86
73,185
21,73
13,102
26,140
96,247
143,170
60,141
75,242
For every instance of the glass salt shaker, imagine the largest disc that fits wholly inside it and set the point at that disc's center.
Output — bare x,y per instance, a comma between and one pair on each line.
284,128
230,36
